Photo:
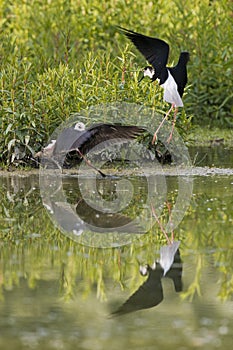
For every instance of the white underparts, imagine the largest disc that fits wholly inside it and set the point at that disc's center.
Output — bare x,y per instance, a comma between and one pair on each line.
48,150
50,146
171,93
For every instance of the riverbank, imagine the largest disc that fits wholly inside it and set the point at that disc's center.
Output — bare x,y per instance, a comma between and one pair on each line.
203,144
205,136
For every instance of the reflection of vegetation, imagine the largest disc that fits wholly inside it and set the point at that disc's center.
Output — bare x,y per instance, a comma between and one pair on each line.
20,203
224,260
31,248
208,233
194,287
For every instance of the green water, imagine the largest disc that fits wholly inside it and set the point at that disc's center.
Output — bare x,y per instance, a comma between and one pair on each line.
58,294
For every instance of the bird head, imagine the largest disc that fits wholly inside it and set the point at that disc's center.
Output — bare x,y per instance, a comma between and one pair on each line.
184,57
144,270
79,126
148,71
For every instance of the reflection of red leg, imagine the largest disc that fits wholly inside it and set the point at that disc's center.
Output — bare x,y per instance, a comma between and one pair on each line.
160,225
173,125
170,216
160,125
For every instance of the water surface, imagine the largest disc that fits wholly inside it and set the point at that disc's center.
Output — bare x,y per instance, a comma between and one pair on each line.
56,293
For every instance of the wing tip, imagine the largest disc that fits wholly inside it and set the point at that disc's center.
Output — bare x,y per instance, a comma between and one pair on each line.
122,29
129,33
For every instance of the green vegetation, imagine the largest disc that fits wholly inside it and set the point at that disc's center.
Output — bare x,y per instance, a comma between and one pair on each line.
59,57
210,136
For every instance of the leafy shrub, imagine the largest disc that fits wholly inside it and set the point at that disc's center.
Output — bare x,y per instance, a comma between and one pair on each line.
60,56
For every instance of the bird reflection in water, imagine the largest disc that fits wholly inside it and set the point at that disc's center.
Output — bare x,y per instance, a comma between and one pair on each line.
105,222
82,217
150,293
76,215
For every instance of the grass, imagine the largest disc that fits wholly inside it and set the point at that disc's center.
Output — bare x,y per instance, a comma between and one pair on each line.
204,136
59,57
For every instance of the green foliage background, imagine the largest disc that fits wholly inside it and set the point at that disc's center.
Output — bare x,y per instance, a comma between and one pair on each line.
60,56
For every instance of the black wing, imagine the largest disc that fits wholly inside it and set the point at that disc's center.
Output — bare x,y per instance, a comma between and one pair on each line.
175,272
179,72
148,295
156,51
106,222
104,132
66,139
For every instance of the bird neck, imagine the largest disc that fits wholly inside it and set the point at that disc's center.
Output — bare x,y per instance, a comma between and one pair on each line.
184,58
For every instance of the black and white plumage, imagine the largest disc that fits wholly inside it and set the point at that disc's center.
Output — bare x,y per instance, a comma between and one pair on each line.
172,79
88,218
150,293
84,139
104,222
76,141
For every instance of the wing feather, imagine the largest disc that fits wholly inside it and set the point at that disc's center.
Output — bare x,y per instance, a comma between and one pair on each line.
104,132
148,295
155,50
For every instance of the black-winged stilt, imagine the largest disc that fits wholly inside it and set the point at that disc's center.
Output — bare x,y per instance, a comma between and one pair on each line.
78,141
172,79
150,293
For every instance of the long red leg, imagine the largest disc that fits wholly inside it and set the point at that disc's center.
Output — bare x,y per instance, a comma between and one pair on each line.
161,124
173,125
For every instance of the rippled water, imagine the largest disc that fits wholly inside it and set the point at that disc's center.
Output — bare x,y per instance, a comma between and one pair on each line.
58,293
